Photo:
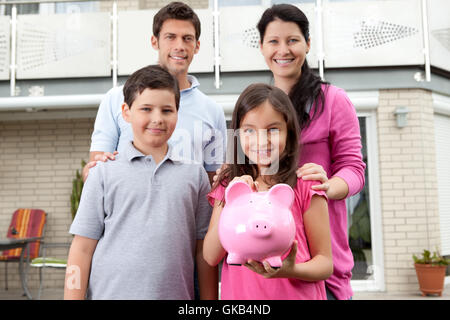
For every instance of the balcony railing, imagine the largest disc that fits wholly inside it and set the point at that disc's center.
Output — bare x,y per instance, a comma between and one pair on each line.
115,43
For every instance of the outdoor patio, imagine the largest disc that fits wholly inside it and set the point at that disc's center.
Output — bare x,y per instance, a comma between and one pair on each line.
57,294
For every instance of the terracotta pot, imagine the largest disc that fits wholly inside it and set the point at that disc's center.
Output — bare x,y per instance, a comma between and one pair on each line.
431,278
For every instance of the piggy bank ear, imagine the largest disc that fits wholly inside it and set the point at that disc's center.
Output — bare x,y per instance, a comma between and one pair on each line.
236,190
281,194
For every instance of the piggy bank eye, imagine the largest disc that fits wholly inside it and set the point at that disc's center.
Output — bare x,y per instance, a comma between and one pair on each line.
251,201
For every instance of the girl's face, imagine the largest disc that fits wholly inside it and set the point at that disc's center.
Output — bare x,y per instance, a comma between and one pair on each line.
263,133
284,48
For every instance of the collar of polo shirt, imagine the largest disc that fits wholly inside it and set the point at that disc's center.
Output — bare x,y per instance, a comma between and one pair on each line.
131,153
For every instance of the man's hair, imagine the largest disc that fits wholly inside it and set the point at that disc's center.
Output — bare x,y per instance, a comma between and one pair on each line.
150,77
177,11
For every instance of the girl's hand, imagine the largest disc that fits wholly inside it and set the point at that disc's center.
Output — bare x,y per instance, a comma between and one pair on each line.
248,180
265,270
312,171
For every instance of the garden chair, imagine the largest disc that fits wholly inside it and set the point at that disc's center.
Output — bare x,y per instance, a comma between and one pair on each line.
25,223
48,262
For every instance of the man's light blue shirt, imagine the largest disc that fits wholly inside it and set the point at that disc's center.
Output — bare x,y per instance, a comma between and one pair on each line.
200,134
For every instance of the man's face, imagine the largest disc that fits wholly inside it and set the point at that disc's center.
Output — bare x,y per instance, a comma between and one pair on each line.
176,45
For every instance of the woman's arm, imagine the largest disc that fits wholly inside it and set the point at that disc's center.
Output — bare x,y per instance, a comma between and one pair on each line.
320,267
213,252
78,267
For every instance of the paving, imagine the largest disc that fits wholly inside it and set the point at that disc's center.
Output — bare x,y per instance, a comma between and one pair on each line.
58,294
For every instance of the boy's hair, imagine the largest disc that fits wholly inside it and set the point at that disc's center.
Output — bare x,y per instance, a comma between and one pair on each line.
252,97
150,77
177,11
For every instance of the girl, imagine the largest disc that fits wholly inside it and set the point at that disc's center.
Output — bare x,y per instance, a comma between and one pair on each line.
266,133
330,136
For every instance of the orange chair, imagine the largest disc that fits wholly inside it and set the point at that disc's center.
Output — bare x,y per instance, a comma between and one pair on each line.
25,223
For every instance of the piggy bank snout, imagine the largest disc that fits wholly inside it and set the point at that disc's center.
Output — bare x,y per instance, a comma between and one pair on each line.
260,227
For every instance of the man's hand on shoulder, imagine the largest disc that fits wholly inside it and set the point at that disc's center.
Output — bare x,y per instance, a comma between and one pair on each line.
95,156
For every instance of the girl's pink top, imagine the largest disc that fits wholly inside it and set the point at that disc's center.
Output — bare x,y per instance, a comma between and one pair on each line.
240,283
333,140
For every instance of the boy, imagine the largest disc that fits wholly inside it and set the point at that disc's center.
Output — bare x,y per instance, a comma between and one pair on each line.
137,233
201,124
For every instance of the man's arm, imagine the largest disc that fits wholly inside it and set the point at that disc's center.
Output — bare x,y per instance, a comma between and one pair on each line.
211,175
208,277
106,134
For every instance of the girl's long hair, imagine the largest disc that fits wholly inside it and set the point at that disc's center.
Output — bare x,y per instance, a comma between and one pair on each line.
308,89
238,163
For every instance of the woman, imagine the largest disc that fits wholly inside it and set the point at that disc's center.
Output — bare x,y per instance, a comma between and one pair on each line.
330,136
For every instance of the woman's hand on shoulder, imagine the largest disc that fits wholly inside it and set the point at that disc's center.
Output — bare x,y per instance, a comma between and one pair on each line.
312,171
335,188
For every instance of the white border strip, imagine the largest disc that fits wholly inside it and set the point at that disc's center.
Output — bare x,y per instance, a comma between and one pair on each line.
50,102
362,100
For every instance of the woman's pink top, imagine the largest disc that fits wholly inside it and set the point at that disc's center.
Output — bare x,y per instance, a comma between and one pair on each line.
333,140
240,283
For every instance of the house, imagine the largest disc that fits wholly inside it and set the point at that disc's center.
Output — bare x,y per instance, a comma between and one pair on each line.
390,56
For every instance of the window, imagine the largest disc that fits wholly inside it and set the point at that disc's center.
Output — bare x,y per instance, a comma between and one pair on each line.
358,213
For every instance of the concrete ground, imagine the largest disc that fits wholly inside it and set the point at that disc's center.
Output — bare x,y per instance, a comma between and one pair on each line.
57,294
416,295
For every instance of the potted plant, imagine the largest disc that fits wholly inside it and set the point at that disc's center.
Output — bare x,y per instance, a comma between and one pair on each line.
77,187
430,270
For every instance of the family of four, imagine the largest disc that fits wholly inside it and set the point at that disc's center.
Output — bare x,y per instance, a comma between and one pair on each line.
147,224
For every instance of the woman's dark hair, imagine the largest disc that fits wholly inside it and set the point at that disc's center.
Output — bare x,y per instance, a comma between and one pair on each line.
150,77
239,164
308,89
177,11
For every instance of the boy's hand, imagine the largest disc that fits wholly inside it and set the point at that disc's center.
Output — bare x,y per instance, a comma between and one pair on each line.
265,270
101,156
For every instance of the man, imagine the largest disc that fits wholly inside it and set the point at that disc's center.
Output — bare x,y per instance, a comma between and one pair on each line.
200,134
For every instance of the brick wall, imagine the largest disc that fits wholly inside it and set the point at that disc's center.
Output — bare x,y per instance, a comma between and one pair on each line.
408,184
38,160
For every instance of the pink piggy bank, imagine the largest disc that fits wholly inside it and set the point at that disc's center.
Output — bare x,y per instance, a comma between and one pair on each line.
257,225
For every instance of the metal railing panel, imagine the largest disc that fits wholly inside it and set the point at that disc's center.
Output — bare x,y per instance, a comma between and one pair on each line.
5,50
373,33
439,35
63,45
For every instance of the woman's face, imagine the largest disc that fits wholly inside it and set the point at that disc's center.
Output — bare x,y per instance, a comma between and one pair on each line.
284,48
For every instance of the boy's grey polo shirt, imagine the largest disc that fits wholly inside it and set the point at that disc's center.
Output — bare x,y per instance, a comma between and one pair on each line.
147,219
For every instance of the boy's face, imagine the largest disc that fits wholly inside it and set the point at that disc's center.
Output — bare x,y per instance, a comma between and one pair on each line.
153,117
176,45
